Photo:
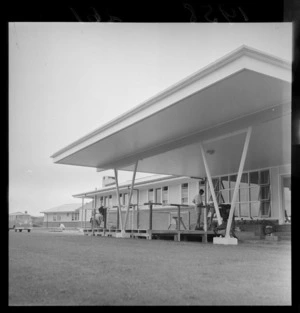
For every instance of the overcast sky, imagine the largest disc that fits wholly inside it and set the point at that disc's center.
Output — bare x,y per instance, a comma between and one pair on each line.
67,79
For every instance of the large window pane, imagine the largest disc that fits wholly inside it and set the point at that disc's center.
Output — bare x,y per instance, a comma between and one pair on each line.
264,177
243,195
233,180
244,209
110,201
265,208
244,181
244,178
158,195
237,210
253,179
254,194
215,182
150,195
184,193
254,209
224,196
224,182
265,193
165,193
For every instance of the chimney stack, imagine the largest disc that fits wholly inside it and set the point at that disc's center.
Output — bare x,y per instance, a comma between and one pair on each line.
108,181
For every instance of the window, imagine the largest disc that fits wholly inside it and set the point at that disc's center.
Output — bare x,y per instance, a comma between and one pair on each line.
58,217
264,195
110,201
165,195
75,216
216,184
101,201
125,199
253,198
158,195
54,218
184,193
150,195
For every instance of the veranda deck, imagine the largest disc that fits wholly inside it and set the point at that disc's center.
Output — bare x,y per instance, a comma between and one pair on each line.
176,235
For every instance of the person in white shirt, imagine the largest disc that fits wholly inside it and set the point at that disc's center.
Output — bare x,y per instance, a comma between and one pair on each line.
199,205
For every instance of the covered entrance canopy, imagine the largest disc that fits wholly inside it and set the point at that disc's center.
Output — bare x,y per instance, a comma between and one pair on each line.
234,115
213,106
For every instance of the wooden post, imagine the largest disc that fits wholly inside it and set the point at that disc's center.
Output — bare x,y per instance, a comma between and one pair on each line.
211,186
82,212
189,219
205,218
93,215
119,216
150,217
133,215
137,216
85,218
130,195
238,180
178,217
104,219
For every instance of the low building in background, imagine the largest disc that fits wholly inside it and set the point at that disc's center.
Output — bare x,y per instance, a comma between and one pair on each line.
68,214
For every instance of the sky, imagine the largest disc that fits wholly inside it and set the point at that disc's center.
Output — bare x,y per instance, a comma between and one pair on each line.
68,79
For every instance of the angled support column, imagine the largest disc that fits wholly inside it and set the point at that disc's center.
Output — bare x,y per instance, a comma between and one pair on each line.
81,222
130,195
230,240
238,180
212,190
93,215
118,197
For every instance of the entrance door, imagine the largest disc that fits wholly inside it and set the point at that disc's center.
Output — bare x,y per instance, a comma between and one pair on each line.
286,197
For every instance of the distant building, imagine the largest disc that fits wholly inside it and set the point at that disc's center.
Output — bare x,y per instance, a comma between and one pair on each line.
68,214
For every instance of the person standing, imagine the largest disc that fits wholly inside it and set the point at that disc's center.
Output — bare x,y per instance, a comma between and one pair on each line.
199,206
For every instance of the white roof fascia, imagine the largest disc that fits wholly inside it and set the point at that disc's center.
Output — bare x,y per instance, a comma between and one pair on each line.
236,61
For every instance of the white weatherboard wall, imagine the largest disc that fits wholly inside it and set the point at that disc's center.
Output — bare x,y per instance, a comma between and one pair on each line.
175,193
193,189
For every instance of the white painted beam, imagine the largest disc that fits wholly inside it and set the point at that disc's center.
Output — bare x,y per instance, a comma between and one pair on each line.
216,205
118,197
131,191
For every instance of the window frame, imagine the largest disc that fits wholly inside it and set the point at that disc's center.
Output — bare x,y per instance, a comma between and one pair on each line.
162,195
187,191
217,183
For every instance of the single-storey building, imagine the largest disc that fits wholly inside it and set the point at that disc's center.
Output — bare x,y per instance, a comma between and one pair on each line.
67,214
228,123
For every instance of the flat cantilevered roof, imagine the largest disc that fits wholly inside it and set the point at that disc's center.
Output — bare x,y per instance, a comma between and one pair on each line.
214,106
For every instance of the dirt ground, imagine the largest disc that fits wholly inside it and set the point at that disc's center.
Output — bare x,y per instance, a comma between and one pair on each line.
72,269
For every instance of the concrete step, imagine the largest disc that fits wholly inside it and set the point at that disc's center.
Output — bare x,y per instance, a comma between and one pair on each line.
282,233
246,235
283,228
